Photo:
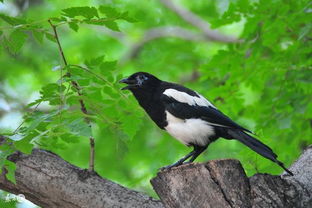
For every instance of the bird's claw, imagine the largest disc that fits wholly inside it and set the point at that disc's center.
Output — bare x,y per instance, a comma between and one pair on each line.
167,167
173,165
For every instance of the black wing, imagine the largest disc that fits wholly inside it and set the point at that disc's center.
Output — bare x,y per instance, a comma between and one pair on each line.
207,113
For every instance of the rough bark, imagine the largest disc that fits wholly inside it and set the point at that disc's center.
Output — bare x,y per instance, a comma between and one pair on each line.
224,184
49,181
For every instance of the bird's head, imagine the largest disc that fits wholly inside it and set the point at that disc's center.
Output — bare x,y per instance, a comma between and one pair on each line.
140,80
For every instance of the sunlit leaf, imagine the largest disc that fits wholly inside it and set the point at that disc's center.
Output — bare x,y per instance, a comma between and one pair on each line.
87,12
108,65
24,145
10,167
74,26
12,20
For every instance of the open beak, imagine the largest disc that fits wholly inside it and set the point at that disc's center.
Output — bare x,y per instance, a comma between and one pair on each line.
131,83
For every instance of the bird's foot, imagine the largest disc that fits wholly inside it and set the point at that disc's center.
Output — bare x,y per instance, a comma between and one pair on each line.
171,166
174,165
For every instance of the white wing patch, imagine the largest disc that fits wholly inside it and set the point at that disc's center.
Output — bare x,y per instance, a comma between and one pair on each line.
189,131
186,98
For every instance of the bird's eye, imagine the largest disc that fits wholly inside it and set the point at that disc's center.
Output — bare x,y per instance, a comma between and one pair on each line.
143,77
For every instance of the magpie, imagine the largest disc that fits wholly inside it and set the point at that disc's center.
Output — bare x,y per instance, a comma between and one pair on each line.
189,117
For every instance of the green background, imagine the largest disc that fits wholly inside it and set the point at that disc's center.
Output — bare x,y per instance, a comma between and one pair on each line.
262,82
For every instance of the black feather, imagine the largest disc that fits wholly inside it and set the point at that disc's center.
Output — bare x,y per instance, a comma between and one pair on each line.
256,146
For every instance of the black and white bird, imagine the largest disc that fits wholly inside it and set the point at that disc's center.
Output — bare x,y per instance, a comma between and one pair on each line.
189,117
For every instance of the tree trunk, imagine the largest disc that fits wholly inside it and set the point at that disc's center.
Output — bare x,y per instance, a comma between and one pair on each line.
224,184
49,181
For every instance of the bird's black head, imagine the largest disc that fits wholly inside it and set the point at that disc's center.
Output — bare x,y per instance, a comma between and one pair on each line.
140,80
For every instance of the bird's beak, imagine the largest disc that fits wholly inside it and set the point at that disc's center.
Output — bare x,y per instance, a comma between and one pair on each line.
129,82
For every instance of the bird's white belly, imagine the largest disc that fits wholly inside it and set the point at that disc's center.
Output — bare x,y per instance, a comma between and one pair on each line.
189,131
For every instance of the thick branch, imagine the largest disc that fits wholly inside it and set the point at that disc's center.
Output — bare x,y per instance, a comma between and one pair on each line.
198,22
49,181
223,183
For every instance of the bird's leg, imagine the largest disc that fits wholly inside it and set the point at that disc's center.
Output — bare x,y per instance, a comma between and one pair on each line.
198,150
180,162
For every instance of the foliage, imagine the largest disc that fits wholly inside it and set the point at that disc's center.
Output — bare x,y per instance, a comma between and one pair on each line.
263,82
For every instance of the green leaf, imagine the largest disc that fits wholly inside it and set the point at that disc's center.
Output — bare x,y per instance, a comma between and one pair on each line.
130,126
11,167
50,37
104,21
37,117
109,11
108,65
74,26
113,13
69,138
111,25
125,16
51,91
87,12
12,20
34,103
95,61
38,35
16,40
109,91
80,127
24,145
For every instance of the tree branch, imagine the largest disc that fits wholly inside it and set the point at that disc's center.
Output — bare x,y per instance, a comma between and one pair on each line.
49,181
161,32
198,22
223,183
82,104
207,34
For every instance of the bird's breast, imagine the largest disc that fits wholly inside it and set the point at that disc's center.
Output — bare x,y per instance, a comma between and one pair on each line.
189,131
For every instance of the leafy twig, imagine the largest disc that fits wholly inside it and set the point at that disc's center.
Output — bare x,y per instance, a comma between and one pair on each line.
100,78
82,104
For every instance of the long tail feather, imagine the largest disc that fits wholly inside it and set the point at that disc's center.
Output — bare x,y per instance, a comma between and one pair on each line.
257,146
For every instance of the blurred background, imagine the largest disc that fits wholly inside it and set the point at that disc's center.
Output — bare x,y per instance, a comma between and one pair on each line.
256,69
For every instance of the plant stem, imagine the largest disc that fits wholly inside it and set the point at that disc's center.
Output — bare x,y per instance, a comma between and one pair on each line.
81,102
58,42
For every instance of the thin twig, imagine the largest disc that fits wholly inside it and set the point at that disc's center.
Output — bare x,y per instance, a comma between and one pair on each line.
91,72
58,42
81,102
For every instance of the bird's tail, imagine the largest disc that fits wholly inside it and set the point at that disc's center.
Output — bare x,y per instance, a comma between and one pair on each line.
256,146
